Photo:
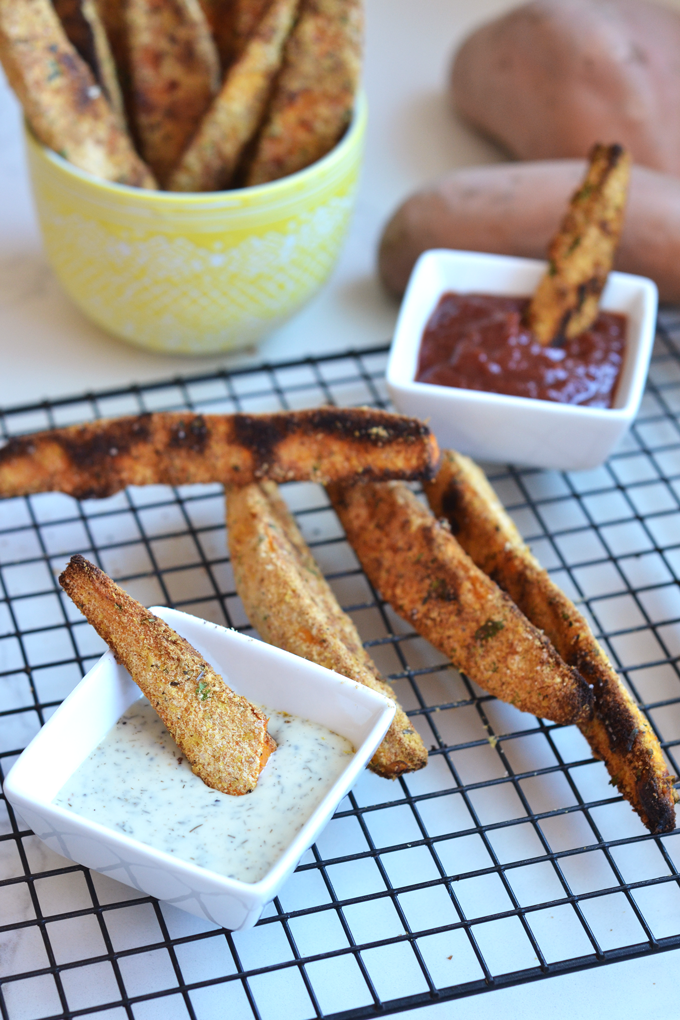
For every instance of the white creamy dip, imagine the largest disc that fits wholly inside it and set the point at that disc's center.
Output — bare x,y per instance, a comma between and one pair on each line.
137,781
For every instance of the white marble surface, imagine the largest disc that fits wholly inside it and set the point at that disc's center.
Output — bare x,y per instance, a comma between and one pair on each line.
48,349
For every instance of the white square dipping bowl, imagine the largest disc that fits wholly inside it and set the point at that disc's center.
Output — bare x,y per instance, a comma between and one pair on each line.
520,430
262,673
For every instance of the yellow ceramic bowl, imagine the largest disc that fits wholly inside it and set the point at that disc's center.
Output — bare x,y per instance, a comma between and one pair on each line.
195,273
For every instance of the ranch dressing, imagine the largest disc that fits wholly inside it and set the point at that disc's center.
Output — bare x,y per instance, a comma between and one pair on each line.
137,781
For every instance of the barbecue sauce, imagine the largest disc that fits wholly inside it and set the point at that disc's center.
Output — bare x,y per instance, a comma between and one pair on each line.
480,342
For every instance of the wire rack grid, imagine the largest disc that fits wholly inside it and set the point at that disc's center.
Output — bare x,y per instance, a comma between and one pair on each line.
508,859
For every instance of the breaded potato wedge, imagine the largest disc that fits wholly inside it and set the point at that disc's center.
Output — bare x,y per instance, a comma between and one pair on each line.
220,17
290,603
246,17
63,103
112,15
85,30
175,72
582,252
209,162
618,732
314,96
232,23
100,458
223,736
422,571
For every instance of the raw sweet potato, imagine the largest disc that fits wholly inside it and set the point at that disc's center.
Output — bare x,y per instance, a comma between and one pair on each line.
551,78
85,29
515,208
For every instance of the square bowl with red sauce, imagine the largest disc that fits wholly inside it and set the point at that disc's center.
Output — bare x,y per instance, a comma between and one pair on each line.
504,427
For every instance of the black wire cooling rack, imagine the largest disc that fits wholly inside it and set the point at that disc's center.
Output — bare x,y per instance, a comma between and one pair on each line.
508,859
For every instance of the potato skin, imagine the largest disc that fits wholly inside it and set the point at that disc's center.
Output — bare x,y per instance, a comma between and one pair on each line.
551,78
515,208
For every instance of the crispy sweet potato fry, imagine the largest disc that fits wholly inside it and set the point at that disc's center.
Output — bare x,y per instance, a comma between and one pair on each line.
220,17
85,29
99,458
582,252
314,95
174,69
618,732
246,17
209,162
232,23
61,99
421,570
289,602
223,736
112,14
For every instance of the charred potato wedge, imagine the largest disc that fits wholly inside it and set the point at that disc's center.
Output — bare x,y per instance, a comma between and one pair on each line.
174,70
617,732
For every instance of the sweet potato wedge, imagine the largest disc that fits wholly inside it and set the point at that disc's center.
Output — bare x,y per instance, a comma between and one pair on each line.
617,732
63,103
209,162
422,571
223,736
102,457
314,96
581,254
512,209
232,23
174,70
290,603
85,30
549,77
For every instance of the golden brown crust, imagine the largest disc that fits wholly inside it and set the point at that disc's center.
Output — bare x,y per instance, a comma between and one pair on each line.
223,736
175,73
102,457
289,602
112,15
314,96
618,732
582,252
209,162
247,15
85,30
63,103
422,571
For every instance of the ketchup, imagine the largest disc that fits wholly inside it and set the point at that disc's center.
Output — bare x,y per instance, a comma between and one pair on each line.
479,342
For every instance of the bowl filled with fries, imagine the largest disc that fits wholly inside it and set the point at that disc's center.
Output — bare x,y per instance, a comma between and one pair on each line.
228,210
